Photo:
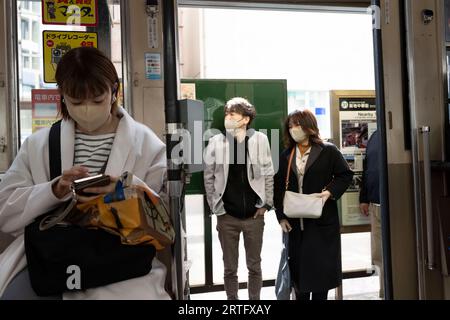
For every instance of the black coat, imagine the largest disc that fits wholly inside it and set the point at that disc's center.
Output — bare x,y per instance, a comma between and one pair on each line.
315,252
370,184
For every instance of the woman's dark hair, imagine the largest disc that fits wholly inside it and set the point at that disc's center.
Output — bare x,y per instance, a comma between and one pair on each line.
84,73
307,121
241,106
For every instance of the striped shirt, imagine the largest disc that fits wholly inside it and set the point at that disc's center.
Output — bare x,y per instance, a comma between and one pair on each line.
92,151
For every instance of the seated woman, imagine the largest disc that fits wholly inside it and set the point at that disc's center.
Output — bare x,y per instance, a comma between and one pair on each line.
96,135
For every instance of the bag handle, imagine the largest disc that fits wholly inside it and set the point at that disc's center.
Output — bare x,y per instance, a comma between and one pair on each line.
289,167
54,156
291,156
58,217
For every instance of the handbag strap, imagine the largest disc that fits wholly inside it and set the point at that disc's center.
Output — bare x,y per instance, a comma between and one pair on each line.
289,167
54,156
54,150
291,156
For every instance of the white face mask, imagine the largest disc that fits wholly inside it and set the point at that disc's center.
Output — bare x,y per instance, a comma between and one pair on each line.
90,116
298,134
231,124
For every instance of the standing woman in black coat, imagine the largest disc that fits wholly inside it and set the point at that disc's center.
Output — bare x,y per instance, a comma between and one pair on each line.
314,244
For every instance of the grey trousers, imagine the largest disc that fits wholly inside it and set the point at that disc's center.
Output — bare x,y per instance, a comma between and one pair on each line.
375,243
229,229
20,289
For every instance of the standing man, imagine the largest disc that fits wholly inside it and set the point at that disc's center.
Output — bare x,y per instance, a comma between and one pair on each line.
369,199
238,179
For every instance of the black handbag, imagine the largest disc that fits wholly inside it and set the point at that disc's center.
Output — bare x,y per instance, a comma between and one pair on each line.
54,254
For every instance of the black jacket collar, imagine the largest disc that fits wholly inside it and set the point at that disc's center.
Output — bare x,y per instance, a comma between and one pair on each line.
316,149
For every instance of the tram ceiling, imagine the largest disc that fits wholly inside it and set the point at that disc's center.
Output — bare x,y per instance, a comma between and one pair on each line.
282,3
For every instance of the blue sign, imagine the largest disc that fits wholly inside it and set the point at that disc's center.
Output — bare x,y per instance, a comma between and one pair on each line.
320,111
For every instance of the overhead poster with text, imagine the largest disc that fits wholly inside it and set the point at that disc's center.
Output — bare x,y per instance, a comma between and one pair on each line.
70,12
57,43
46,105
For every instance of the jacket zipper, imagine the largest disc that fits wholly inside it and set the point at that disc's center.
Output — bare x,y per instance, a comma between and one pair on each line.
242,172
243,194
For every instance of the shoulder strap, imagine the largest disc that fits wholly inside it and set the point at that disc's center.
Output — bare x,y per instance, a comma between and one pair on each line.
54,150
289,167
54,156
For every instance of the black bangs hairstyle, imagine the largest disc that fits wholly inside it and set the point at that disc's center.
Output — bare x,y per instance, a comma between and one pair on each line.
85,73
307,121
241,106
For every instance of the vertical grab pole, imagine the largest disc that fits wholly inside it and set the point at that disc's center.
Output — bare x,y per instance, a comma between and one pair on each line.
375,8
425,131
174,170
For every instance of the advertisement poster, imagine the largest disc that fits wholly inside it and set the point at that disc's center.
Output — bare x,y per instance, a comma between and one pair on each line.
57,43
153,66
350,199
357,122
45,104
70,12
357,118
351,215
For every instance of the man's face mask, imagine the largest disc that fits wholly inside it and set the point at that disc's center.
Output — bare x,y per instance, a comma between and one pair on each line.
234,121
90,114
231,124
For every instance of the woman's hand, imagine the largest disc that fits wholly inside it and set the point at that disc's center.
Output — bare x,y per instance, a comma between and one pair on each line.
62,187
99,190
325,195
285,225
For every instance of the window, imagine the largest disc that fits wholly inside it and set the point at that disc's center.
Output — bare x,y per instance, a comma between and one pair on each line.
25,29
26,6
36,63
26,62
318,102
26,90
36,31
30,73
37,7
26,59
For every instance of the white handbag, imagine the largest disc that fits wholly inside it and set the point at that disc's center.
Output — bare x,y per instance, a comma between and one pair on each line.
299,205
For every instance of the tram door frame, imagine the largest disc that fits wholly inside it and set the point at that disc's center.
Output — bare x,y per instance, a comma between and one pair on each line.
209,285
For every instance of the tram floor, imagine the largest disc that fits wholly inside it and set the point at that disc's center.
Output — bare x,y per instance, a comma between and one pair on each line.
365,288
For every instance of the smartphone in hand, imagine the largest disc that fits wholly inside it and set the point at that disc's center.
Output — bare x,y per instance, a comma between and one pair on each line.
99,180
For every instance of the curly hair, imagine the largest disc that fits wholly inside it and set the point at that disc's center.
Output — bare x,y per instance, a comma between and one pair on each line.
241,106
